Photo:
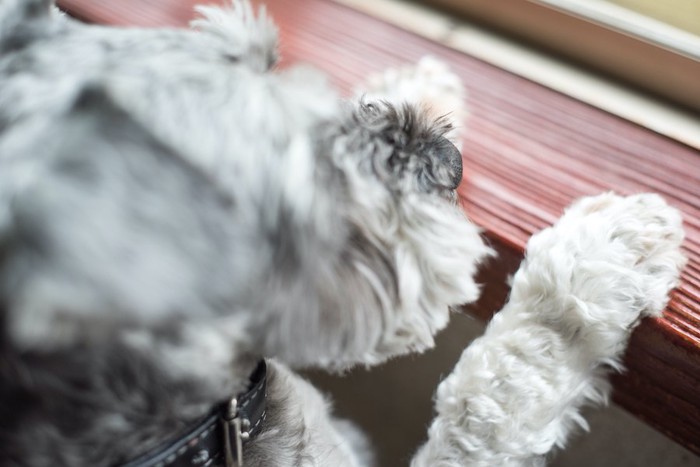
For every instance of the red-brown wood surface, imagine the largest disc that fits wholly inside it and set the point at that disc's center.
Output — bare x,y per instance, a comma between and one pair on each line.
529,152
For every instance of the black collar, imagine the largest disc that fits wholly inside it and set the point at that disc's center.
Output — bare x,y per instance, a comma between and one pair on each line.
219,437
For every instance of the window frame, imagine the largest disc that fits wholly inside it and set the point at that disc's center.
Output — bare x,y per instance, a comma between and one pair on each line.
640,51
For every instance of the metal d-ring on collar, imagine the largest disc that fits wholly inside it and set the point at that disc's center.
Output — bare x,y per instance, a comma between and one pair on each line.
220,436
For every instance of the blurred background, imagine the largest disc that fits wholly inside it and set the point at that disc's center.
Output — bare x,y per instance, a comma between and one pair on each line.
651,45
683,14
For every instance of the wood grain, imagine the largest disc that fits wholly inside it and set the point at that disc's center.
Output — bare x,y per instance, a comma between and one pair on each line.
529,152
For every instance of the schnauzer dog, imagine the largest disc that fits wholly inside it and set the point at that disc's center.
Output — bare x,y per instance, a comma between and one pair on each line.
181,225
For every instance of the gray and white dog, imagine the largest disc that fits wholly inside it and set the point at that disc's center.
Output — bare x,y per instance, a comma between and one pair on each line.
173,209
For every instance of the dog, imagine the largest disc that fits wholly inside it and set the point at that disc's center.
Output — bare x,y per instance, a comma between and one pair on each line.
182,225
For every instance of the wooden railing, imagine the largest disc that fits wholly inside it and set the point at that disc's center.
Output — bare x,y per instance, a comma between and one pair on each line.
529,152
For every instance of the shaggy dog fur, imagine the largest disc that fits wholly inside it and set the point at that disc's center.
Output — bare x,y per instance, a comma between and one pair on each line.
172,209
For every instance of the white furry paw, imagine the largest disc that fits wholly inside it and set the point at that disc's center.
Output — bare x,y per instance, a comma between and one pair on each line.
609,261
586,281
652,233
430,83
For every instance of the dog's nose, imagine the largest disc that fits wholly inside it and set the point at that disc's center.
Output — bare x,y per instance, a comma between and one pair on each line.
452,158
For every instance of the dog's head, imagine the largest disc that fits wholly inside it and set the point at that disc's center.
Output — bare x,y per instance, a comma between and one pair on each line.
394,250
312,232
357,263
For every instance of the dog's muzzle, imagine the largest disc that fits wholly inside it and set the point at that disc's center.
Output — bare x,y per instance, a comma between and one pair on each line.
218,439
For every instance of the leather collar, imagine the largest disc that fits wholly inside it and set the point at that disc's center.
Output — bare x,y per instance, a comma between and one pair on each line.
218,438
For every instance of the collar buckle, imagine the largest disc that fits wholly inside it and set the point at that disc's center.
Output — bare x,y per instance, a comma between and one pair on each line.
235,429
220,435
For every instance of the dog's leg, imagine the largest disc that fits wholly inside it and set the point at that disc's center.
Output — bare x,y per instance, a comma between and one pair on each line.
585,283
304,432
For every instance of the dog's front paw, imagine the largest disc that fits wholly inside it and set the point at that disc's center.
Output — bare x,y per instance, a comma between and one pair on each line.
516,392
650,231
608,262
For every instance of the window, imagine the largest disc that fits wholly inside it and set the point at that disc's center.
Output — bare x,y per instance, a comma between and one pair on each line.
683,14
643,51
